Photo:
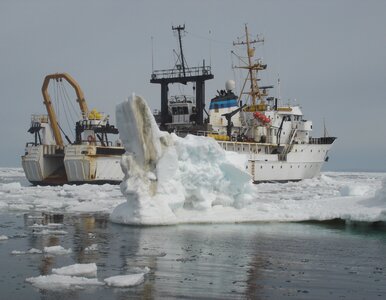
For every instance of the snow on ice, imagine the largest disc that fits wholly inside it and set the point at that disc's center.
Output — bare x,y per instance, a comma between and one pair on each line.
57,250
62,282
30,251
125,280
88,270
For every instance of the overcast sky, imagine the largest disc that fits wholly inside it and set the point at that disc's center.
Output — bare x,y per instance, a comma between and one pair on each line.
330,54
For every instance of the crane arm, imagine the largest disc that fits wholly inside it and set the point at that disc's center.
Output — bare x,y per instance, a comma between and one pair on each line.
49,106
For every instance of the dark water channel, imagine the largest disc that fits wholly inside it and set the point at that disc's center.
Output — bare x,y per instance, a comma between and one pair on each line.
234,261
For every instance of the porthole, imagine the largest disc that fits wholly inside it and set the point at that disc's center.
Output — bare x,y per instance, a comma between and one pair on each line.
281,167
261,167
272,167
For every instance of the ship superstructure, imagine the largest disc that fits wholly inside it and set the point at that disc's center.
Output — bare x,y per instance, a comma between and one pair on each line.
276,139
182,113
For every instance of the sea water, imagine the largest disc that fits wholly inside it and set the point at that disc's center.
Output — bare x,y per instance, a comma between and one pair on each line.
332,249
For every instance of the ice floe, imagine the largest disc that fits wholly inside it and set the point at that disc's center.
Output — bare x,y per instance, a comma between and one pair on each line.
61,282
88,270
125,280
30,251
57,250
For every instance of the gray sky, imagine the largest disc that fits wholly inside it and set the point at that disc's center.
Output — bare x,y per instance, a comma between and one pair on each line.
331,56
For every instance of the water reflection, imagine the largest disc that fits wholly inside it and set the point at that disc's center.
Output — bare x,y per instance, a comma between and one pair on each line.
257,261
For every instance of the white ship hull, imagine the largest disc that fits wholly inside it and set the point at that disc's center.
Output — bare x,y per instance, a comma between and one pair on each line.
84,164
43,165
48,165
303,161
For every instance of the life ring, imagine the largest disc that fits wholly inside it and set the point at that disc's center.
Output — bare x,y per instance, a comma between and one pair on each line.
90,139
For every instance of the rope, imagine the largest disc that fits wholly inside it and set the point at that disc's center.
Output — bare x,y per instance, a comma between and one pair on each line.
76,113
56,101
64,109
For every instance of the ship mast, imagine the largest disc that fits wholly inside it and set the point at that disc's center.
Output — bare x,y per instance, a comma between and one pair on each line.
252,67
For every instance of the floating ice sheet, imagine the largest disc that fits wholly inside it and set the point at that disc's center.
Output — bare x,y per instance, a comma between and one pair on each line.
125,280
345,195
62,282
89,270
30,251
56,250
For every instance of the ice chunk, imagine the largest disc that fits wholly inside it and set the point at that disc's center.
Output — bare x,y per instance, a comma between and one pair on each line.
125,280
60,282
3,237
57,250
77,270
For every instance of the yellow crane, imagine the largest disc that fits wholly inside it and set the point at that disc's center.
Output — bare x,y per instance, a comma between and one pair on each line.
50,108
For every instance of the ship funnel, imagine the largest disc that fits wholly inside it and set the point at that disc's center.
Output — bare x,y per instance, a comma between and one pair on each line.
230,85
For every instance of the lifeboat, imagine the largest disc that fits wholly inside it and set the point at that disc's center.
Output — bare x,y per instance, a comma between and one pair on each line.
263,118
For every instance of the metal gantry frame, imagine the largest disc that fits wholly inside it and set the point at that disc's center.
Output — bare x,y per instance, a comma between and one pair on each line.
182,74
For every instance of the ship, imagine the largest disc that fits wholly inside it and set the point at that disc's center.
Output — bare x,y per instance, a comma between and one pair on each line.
52,158
276,140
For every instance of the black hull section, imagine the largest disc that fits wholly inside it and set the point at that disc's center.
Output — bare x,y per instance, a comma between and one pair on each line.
58,183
